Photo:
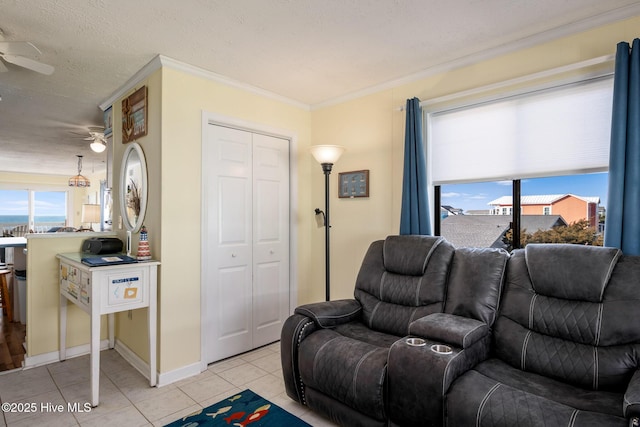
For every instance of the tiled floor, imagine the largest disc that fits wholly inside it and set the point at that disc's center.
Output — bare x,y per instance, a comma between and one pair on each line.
126,398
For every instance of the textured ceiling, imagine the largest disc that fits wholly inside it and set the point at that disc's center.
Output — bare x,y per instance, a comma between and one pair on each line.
309,51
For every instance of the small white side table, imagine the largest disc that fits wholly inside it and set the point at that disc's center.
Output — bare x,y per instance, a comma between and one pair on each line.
107,290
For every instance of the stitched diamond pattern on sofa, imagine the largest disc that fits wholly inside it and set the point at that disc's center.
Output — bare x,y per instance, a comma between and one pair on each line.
392,318
347,367
509,407
567,319
399,289
564,360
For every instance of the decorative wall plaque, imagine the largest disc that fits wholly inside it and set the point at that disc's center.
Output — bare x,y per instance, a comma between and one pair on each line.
134,115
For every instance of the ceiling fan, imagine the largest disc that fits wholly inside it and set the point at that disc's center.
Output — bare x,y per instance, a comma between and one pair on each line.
16,53
96,134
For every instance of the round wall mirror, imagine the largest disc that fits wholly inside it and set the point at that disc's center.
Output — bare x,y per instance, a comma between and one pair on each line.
133,187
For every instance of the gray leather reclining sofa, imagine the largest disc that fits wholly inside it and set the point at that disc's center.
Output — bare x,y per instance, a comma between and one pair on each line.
546,336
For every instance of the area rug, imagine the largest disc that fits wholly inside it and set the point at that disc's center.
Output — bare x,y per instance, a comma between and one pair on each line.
242,409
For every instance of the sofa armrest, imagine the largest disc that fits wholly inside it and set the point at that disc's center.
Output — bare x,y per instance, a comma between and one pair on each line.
454,330
631,404
331,313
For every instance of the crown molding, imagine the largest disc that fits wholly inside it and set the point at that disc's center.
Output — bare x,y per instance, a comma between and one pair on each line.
590,23
164,61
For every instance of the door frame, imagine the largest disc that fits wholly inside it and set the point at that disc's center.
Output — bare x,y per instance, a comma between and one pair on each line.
209,118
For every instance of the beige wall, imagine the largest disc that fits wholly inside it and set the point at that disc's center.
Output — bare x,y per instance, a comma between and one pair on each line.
43,295
131,328
370,127
372,130
184,98
172,148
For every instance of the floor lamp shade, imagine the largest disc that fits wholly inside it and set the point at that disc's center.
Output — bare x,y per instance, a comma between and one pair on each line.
326,155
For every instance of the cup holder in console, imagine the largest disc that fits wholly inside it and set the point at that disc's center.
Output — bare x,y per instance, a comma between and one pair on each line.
441,349
415,342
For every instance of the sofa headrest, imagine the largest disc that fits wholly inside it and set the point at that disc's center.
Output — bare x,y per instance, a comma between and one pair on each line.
568,271
408,254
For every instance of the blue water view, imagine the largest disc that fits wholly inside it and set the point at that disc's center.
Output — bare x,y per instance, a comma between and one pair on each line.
24,219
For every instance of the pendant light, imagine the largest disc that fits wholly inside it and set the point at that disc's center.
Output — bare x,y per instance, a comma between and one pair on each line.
79,180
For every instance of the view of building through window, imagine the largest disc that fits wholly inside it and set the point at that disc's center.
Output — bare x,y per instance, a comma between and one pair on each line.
564,209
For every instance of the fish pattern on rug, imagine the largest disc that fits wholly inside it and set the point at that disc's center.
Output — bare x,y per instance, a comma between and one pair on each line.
240,410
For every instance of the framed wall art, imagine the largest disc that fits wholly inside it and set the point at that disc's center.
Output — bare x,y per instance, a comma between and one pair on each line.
353,184
134,115
108,122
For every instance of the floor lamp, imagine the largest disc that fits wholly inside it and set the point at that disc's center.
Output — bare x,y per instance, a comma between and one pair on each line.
326,155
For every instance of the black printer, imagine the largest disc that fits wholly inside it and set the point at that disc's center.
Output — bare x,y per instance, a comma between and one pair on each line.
102,245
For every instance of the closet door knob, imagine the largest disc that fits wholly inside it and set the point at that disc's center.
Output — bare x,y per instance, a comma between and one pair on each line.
233,255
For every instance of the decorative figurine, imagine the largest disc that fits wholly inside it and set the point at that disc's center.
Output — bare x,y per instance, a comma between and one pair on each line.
144,252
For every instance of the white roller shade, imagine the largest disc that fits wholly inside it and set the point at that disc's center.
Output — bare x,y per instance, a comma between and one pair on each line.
552,132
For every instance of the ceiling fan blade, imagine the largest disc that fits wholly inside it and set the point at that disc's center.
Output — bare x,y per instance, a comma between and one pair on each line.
3,68
30,64
19,48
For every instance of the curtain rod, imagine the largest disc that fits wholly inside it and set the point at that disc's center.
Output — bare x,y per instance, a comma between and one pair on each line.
524,79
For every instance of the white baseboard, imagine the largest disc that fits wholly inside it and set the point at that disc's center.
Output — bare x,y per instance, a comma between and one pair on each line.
126,353
54,356
133,359
143,367
179,374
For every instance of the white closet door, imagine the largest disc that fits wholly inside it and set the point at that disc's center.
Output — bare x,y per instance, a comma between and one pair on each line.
246,232
270,237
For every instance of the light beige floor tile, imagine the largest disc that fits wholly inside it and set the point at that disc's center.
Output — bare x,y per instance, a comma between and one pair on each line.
275,347
316,420
289,405
243,374
206,388
137,388
256,354
38,407
127,399
64,419
17,386
226,364
128,416
111,399
267,386
194,378
123,372
219,397
178,415
165,404
66,377
270,363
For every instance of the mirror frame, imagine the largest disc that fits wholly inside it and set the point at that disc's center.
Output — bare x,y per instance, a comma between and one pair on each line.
124,167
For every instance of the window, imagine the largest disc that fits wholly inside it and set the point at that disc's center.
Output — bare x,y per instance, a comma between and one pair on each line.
553,167
23,211
575,213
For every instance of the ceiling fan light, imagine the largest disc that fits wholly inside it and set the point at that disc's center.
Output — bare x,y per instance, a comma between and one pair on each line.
98,146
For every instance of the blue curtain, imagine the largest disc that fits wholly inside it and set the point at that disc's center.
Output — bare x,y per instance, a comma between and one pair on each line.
622,224
414,215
